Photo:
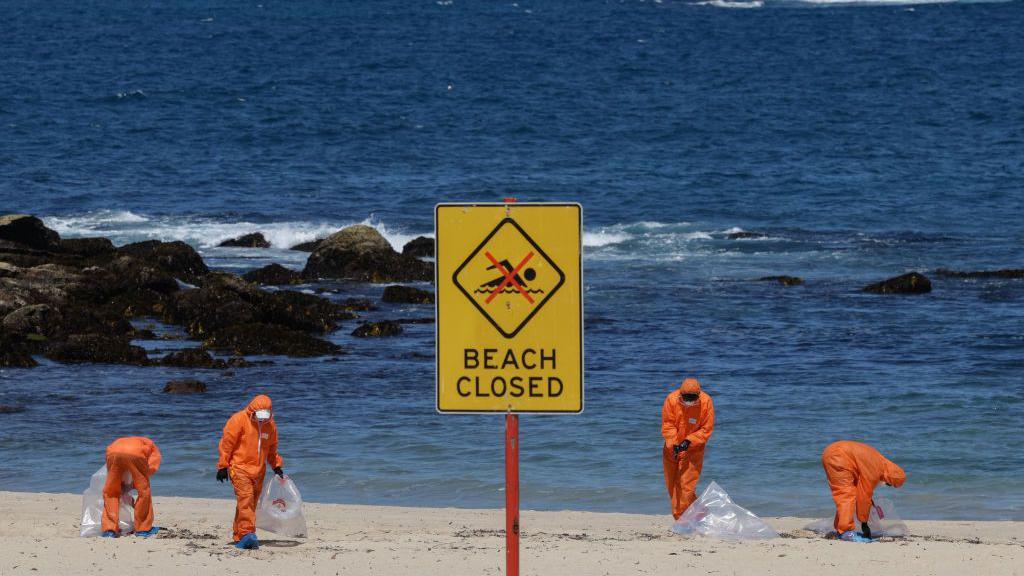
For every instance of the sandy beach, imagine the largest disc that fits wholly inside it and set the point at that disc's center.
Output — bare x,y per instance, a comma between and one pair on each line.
39,535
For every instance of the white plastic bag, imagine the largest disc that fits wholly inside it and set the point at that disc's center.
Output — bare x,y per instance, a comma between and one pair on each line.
280,508
715,514
883,521
92,506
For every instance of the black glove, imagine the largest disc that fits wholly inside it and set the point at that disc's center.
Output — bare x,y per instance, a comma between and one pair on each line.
279,471
865,529
681,447
222,474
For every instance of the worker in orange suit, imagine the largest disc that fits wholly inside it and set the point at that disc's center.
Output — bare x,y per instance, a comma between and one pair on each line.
853,470
687,420
249,441
140,458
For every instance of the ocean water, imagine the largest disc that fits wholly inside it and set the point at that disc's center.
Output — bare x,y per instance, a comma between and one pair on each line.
865,139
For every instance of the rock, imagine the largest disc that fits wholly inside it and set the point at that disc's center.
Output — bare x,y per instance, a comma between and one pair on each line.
87,247
382,329
358,304
784,280
1006,273
360,253
407,295
9,270
254,240
14,355
268,339
175,258
745,235
192,358
911,283
416,320
8,409
308,246
187,386
420,247
301,311
97,348
29,231
33,319
273,275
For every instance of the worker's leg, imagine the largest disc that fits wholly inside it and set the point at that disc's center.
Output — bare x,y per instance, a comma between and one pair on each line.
672,481
139,469
694,463
112,492
842,482
245,507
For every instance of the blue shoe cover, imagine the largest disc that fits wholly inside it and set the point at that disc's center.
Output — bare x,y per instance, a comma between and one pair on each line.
151,532
109,534
851,536
248,542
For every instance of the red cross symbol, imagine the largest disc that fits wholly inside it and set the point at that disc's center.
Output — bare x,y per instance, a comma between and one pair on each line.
510,277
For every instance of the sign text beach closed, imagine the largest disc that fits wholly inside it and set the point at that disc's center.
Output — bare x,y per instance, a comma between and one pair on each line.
509,308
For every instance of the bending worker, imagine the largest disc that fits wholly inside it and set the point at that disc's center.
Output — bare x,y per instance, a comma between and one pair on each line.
248,442
687,420
853,470
140,458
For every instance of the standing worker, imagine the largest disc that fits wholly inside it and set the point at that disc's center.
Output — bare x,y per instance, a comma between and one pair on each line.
248,442
687,420
141,459
853,470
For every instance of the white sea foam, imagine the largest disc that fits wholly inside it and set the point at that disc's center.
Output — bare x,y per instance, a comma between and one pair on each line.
733,5
123,227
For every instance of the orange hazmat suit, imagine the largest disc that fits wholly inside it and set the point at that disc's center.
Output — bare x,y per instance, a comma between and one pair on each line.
680,422
853,470
245,447
141,458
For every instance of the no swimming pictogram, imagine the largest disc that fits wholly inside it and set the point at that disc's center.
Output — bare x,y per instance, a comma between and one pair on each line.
508,296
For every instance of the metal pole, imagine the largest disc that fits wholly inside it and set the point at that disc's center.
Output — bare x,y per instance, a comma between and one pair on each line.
512,494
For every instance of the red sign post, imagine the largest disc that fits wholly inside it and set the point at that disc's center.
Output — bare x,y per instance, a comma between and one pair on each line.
512,494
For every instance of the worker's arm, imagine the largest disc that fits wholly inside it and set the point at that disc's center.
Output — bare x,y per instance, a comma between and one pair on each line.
699,437
669,431
272,454
228,443
154,458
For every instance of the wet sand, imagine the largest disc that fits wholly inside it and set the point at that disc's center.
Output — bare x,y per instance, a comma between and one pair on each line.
39,535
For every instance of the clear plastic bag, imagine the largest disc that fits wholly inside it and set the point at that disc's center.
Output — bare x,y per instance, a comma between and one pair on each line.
92,506
280,508
715,514
883,521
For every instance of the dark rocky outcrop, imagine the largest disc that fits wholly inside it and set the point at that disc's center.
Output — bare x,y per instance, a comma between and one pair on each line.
745,235
28,231
910,283
310,246
254,240
269,339
175,258
360,253
784,280
187,386
1006,273
88,247
420,247
407,295
416,320
8,409
32,319
14,355
199,358
381,329
273,275
97,348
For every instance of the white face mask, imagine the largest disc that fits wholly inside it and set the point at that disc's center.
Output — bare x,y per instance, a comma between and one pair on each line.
262,415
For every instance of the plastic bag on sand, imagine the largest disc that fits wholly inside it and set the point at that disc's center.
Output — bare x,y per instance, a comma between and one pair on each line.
715,514
280,508
92,506
883,521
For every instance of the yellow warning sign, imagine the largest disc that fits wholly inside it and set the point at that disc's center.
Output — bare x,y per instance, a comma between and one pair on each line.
509,308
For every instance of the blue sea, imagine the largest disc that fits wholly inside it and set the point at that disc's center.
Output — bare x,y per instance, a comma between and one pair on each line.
863,139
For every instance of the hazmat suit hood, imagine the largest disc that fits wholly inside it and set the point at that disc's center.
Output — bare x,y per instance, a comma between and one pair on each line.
893,475
260,402
690,386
